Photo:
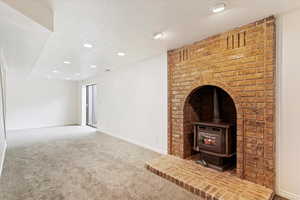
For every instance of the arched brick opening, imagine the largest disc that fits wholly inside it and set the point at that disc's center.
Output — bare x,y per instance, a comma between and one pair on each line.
235,117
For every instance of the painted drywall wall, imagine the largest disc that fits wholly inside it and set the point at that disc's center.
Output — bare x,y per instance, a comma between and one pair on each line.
288,137
35,103
3,144
132,103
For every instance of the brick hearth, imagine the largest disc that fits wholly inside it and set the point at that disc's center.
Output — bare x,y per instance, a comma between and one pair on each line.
242,63
207,183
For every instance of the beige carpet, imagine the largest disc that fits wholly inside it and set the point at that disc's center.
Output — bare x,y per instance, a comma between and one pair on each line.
73,163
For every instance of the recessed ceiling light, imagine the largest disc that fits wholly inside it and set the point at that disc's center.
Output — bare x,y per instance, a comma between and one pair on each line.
158,36
67,62
77,74
121,54
68,78
219,7
93,66
87,45
55,71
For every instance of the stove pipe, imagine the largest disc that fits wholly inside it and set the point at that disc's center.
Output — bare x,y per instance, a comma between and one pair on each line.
216,117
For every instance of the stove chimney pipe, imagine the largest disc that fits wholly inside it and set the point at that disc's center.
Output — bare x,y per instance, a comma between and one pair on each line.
216,117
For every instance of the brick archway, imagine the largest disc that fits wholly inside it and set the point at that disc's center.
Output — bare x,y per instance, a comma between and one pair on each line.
239,120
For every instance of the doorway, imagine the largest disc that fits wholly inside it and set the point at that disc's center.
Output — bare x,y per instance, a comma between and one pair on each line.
91,93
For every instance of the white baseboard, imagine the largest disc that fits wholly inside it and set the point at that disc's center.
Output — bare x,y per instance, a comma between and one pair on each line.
3,158
160,151
39,127
288,195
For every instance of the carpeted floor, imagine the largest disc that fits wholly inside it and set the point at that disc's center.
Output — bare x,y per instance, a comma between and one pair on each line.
75,163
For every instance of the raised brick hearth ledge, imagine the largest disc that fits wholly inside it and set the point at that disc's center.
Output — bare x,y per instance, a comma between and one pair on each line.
207,183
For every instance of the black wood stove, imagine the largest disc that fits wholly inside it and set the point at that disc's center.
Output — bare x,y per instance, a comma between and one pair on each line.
215,141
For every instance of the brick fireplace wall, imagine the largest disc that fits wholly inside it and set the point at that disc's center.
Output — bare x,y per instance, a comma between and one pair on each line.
242,62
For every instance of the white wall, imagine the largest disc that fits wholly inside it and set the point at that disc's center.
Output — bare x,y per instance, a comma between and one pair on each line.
34,103
3,144
132,103
288,134
2,132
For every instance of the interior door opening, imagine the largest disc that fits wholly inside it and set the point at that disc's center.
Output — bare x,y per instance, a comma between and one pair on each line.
91,93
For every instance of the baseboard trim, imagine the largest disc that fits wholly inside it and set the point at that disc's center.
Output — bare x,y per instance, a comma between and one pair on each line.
3,158
54,126
136,143
288,195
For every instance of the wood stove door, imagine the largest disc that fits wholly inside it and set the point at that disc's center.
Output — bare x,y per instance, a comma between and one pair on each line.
211,142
